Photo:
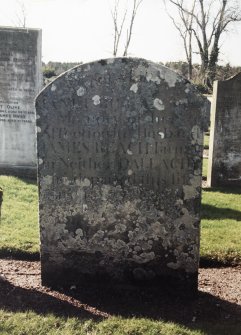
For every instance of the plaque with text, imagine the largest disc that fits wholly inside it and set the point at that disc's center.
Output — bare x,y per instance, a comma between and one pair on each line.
20,82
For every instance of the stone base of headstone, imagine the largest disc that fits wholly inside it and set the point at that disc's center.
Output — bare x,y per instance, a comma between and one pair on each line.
28,172
180,284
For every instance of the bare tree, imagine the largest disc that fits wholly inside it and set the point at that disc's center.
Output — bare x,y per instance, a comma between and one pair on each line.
121,22
117,27
22,15
206,21
185,28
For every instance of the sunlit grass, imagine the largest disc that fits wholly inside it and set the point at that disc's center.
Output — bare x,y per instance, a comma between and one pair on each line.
19,222
32,323
206,141
221,225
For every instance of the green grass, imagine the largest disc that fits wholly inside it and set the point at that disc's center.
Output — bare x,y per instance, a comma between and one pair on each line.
205,167
19,222
30,323
206,141
221,226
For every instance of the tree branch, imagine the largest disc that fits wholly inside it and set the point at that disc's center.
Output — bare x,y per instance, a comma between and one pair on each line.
129,32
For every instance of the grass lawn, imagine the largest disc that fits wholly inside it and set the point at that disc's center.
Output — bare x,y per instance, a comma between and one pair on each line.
31,323
19,221
221,226
206,141
205,167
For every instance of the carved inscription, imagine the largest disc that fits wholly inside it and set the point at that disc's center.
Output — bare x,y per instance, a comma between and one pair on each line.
142,150
12,112
20,81
119,138
16,81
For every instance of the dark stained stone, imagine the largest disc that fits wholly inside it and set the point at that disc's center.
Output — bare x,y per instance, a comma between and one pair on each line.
224,167
120,154
1,200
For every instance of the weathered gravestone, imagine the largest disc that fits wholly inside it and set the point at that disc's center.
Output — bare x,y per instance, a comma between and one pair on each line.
20,82
120,155
224,166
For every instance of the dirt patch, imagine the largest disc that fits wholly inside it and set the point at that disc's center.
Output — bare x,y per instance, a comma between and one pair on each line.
218,300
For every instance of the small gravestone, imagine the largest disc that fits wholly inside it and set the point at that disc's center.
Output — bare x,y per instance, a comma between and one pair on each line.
224,167
20,82
120,155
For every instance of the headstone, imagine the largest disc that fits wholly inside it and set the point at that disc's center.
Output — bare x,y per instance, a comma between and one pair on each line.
120,154
224,166
20,82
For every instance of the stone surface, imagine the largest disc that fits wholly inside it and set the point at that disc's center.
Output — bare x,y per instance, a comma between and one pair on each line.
120,154
1,200
20,82
224,166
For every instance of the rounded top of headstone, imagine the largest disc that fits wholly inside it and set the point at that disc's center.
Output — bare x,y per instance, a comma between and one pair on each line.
236,77
151,71
138,74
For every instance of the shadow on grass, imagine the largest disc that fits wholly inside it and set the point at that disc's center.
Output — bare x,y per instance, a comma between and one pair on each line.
214,262
100,301
205,262
213,212
28,180
225,190
18,254
17,299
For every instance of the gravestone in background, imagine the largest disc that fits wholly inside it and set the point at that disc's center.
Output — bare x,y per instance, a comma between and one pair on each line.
20,82
224,166
120,155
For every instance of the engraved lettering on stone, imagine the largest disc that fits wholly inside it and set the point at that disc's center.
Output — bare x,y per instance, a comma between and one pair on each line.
20,81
